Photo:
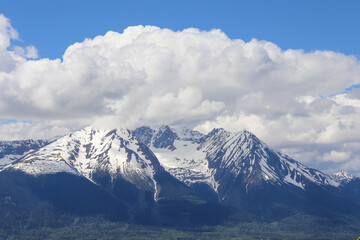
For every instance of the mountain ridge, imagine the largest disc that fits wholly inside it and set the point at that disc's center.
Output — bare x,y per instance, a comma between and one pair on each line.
13,150
219,137
233,169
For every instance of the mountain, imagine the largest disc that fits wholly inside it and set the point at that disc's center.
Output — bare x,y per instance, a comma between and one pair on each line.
154,171
242,171
341,177
170,177
88,151
220,156
105,157
113,161
177,150
348,184
50,199
13,150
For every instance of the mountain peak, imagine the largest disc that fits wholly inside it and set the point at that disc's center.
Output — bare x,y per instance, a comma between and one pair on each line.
248,134
144,134
238,153
164,128
251,139
341,176
164,137
243,139
90,153
187,134
217,131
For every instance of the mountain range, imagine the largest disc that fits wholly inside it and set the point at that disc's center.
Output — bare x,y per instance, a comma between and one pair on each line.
169,175
12,150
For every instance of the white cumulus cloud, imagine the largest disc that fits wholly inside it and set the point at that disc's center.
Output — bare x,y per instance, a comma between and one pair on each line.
202,79
334,156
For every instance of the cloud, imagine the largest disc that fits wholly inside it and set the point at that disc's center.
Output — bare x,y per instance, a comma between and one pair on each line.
202,79
10,58
15,130
7,32
29,52
334,156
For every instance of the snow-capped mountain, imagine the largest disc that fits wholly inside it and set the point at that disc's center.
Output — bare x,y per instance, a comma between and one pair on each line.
89,151
170,176
342,177
239,168
13,150
177,151
221,156
112,159
243,154
235,169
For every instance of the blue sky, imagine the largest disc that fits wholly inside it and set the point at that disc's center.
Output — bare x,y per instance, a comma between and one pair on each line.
51,26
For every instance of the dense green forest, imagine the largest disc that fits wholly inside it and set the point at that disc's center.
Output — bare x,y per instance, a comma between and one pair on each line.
295,227
32,208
